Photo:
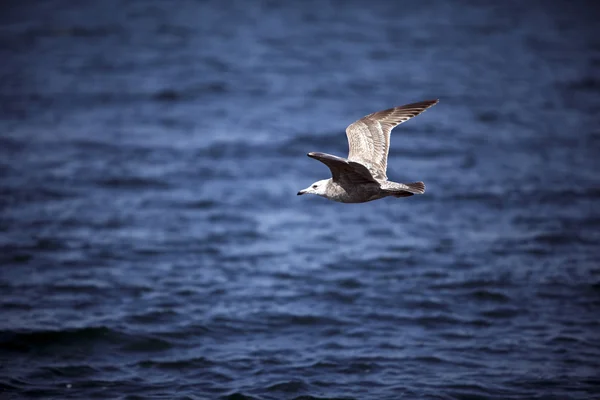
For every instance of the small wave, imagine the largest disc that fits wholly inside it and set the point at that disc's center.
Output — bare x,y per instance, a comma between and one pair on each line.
501,313
431,360
76,31
475,284
8,305
486,197
89,145
177,364
436,320
49,244
587,83
359,367
20,195
289,320
6,387
35,340
194,330
595,287
565,339
330,365
71,338
427,304
68,371
558,238
238,150
561,196
432,321
144,344
350,283
172,95
225,238
12,145
292,386
238,396
489,295
336,296
468,391
153,317
84,288
132,183
490,117
309,397
18,258
200,204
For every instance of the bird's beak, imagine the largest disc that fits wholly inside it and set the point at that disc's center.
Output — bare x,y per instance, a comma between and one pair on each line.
301,192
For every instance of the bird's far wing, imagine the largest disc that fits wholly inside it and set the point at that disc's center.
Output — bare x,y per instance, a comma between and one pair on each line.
369,137
344,170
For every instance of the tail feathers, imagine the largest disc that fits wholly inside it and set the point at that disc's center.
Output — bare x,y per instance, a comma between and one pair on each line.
416,187
408,189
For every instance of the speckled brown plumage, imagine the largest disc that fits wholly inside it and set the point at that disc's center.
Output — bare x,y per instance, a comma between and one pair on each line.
362,176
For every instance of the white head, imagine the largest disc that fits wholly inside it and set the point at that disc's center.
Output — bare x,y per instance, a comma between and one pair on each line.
318,188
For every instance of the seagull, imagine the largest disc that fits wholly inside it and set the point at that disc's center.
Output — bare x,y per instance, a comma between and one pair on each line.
362,176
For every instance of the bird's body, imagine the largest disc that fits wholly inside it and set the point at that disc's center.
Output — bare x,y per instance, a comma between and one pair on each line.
348,193
345,192
362,176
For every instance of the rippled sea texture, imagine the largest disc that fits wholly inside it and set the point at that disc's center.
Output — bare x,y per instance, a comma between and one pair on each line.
152,244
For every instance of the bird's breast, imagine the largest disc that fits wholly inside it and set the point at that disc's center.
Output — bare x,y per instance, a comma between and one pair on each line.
355,193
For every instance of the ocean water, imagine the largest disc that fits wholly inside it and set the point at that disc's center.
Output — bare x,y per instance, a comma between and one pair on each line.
152,244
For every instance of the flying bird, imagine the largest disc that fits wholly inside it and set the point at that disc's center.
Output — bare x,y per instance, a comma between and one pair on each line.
362,176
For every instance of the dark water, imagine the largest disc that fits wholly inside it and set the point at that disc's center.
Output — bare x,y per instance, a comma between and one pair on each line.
153,246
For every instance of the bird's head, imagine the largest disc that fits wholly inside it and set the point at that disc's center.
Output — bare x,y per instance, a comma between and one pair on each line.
318,188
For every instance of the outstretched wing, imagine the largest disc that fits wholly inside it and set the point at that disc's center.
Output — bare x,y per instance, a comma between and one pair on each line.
343,170
369,137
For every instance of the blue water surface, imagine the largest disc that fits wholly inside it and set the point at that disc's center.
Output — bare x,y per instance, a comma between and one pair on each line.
152,244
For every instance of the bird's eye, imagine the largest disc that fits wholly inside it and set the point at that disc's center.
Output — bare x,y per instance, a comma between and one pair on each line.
314,186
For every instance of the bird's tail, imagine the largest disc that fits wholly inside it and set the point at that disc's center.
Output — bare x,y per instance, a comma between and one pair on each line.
406,189
416,187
